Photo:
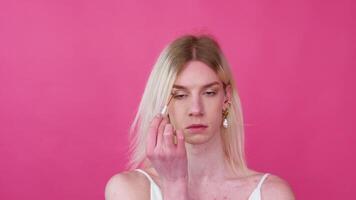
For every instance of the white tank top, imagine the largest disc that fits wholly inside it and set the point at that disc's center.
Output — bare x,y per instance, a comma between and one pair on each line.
157,195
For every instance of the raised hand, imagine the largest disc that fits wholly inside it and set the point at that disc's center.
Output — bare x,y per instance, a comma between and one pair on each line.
168,159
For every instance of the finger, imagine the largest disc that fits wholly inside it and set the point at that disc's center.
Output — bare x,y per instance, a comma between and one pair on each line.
168,136
152,134
180,141
160,131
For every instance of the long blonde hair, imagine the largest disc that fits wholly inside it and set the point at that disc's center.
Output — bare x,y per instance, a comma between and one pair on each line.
186,48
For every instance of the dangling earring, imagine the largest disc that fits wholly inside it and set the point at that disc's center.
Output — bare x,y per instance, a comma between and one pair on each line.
225,114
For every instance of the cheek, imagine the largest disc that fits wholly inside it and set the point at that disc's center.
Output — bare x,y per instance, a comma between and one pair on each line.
213,110
214,104
176,115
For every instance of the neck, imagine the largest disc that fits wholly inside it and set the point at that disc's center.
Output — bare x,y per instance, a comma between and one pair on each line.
206,161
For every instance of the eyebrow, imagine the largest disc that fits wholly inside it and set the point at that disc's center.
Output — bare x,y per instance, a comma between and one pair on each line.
204,86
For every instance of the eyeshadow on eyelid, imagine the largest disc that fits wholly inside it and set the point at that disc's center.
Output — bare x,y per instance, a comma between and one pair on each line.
214,88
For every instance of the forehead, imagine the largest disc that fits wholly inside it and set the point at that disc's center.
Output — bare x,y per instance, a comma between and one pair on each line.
196,74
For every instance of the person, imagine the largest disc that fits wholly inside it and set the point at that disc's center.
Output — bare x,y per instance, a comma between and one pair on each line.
194,149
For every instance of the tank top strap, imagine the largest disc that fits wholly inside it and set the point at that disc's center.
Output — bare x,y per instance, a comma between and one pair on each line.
146,174
155,192
262,180
256,193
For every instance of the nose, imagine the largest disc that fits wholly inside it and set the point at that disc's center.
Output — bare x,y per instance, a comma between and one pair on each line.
196,107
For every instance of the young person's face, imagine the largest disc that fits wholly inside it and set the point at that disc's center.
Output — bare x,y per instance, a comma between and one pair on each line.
198,98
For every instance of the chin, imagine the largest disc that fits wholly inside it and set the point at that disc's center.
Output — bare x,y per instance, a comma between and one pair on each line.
194,138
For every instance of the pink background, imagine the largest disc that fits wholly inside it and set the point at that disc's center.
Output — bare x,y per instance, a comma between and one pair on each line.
72,74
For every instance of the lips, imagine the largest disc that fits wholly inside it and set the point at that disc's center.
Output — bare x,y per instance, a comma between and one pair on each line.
196,126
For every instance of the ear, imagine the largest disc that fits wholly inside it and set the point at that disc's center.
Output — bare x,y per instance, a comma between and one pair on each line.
228,96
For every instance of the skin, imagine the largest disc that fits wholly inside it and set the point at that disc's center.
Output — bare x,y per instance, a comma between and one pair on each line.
180,169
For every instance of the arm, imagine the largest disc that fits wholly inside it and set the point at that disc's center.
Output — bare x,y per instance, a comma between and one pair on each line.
119,187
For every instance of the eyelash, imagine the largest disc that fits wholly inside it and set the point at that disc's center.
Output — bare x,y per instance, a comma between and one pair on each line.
180,96
212,93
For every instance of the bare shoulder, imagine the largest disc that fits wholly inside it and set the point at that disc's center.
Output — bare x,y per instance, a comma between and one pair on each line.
127,185
275,188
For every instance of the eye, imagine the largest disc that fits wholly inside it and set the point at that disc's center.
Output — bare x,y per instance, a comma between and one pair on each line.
210,93
179,96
